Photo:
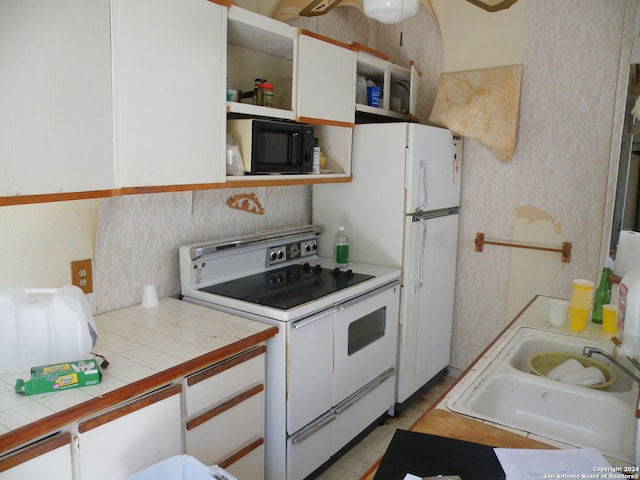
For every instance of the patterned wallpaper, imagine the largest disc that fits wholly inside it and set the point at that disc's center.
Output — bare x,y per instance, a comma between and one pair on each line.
139,235
560,167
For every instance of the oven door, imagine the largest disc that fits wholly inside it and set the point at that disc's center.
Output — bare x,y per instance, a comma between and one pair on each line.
309,369
365,340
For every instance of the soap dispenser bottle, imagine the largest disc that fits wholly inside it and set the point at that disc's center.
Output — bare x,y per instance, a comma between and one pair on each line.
341,248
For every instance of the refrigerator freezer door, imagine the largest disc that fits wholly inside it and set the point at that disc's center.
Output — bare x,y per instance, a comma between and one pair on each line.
427,301
433,169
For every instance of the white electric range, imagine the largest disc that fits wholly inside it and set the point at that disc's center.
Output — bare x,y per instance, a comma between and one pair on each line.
331,368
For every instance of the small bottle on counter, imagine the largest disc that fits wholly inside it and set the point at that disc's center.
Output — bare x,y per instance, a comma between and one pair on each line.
315,165
602,295
341,248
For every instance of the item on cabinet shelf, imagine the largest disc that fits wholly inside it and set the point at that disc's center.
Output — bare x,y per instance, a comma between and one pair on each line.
361,90
235,166
265,95
61,376
269,146
400,91
44,325
558,310
233,95
603,295
609,318
149,296
341,248
323,160
256,83
373,96
316,156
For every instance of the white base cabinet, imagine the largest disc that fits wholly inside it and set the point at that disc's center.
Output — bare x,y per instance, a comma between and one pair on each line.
48,458
132,437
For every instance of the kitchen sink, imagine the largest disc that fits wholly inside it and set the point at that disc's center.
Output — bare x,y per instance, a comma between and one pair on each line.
505,393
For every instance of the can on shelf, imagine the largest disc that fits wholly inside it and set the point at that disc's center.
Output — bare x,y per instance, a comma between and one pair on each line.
265,95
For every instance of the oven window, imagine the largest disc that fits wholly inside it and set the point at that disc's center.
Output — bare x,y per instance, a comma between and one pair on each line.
366,330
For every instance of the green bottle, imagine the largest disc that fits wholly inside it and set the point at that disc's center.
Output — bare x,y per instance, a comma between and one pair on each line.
341,248
602,296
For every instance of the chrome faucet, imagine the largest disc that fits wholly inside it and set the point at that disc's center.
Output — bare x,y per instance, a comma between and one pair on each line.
588,351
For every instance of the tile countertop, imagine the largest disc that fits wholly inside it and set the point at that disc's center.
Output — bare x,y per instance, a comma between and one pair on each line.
156,345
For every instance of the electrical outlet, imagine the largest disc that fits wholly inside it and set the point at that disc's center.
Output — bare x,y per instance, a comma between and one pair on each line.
81,275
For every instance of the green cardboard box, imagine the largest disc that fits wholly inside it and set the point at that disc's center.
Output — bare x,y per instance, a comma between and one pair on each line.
60,376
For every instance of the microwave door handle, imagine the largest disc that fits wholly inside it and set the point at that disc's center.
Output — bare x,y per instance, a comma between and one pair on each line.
294,145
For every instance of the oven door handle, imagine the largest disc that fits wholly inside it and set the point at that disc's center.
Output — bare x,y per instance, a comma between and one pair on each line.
348,303
350,402
319,425
314,318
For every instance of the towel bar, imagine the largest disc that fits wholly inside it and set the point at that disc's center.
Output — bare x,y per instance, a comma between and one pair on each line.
565,250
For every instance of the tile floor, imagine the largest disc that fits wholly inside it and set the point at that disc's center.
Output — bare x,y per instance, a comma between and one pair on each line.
353,464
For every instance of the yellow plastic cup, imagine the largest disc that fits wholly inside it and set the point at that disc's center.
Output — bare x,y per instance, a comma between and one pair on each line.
609,318
578,320
581,294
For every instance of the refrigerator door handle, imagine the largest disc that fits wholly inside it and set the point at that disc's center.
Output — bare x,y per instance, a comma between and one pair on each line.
423,169
423,244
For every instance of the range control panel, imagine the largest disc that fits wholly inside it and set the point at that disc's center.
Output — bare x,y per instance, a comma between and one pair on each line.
291,251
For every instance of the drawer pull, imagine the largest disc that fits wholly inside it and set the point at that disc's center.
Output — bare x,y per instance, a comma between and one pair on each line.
230,460
214,412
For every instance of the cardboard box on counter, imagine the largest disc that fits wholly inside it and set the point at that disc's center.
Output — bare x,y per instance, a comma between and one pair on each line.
60,376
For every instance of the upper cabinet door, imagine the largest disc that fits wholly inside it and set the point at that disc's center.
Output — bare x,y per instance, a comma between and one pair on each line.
326,79
169,92
56,119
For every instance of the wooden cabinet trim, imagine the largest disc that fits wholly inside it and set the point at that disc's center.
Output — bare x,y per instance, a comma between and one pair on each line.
359,47
32,451
225,365
332,41
214,412
244,451
128,408
320,121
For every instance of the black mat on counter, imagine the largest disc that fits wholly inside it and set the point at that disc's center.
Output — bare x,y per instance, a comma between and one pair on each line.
429,455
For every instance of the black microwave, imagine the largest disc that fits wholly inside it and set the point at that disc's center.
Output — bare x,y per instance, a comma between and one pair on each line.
269,146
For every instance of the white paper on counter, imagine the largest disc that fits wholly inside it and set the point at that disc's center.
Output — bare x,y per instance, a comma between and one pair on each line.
531,464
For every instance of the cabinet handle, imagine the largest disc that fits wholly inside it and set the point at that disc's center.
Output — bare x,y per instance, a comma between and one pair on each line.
32,451
231,459
225,365
144,401
214,412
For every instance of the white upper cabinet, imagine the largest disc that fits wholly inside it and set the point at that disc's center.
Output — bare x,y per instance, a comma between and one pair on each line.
398,86
56,119
169,60
326,79
260,47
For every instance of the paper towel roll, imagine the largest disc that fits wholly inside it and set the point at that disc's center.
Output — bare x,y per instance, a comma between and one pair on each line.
628,252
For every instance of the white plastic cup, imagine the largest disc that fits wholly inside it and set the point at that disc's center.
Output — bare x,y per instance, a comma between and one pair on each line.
558,310
149,296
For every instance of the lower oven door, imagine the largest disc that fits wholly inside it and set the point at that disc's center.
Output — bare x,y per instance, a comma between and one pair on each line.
365,340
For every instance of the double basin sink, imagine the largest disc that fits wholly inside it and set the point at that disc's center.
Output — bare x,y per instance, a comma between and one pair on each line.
505,393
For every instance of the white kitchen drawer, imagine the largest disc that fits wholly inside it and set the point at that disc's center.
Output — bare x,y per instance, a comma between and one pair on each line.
249,466
219,432
216,383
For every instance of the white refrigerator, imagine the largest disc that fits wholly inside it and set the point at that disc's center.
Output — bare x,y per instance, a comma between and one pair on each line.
401,210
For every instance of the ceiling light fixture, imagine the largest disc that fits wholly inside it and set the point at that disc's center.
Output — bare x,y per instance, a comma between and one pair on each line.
390,11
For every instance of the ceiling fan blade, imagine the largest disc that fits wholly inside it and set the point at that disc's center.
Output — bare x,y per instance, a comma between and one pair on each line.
318,7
